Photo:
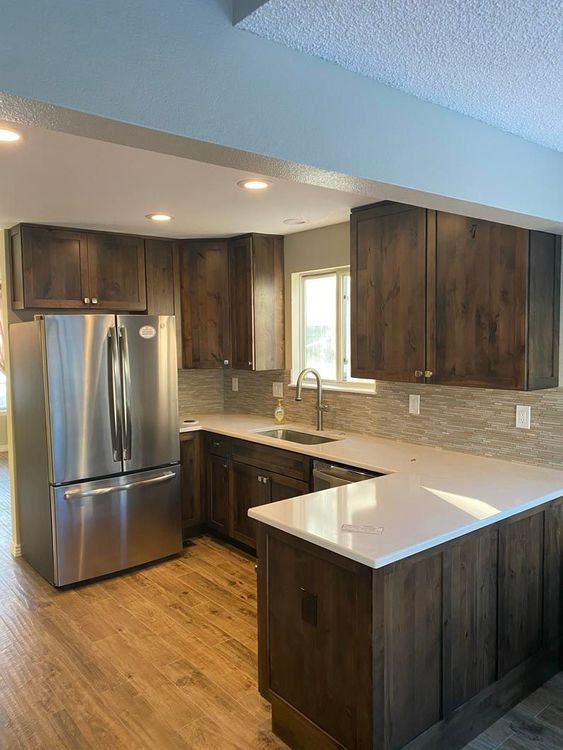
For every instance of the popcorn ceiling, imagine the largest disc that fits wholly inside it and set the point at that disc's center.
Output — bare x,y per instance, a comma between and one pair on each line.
499,61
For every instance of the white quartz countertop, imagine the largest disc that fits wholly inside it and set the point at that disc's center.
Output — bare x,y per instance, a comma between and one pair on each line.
428,497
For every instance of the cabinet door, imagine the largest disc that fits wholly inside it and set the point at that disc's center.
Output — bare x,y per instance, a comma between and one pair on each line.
242,311
191,477
116,270
204,270
55,267
479,277
159,256
250,487
388,268
282,488
218,494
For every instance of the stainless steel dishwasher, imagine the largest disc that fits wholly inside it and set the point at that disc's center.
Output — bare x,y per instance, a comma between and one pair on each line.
326,475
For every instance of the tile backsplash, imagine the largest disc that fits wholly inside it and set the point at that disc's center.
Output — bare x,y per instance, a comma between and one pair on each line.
473,420
200,392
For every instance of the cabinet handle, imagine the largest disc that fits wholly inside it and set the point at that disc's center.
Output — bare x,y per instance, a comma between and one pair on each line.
428,373
86,300
418,373
94,300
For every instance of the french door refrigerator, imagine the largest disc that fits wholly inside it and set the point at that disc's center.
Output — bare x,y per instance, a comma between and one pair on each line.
95,407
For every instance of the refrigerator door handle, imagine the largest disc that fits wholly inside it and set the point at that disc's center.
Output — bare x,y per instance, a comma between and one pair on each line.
126,379
78,493
115,406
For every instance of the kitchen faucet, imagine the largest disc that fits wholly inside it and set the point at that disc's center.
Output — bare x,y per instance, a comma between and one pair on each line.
321,408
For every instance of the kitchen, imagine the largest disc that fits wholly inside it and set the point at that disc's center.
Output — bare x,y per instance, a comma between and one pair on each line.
257,411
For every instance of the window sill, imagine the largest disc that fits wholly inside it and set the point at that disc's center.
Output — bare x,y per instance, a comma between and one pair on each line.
366,390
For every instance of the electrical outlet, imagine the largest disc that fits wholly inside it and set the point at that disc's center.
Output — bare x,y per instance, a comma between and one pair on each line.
277,389
523,417
234,384
414,404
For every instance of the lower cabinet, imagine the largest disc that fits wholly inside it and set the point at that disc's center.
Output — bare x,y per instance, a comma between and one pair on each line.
217,494
252,486
240,475
191,463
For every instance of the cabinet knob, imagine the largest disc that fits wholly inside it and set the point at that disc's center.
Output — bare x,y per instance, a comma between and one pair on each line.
94,300
86,300
418,373
250,364
428,373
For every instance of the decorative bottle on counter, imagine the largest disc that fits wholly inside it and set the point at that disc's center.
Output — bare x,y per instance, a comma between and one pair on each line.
279,412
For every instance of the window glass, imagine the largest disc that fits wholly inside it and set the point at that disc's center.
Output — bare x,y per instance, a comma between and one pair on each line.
320,324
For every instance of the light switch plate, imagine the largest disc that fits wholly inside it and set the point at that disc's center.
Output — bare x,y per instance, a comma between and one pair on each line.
277,389
523,417
234,384
414,404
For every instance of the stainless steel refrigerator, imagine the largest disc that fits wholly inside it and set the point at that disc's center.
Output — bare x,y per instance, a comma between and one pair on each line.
96,434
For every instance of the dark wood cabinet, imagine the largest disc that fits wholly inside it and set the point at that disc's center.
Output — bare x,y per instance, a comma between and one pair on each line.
257,302
250,487
61,268
218,494
160,266
116,269
452,300
232,294
437,646
240,270
191,462
241,475
50,268
204,272
388,270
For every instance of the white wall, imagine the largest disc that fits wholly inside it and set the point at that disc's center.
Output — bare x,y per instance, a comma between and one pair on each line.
181,66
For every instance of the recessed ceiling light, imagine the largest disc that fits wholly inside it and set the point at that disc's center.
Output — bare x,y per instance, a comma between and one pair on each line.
253,184
295,222
159,217
9,136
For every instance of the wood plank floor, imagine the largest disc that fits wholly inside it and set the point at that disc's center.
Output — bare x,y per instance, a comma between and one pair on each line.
164,657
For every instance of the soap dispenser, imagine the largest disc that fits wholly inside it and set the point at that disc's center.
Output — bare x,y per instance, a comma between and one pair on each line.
279,412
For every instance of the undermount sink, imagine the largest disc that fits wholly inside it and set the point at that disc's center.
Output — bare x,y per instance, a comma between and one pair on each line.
298,437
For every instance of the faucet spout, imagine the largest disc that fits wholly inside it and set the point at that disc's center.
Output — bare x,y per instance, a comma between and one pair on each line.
321,408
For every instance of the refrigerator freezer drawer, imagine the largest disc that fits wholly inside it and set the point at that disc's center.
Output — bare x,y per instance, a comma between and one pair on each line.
113,524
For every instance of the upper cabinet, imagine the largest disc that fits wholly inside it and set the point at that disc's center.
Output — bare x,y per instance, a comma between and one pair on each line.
116,270
206,332
447,299
233,303
161,272
257,302
67,268
50,267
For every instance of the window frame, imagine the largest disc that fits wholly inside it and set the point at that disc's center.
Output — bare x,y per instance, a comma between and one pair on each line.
298,337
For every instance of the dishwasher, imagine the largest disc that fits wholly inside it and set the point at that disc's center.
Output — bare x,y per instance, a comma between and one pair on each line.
326,475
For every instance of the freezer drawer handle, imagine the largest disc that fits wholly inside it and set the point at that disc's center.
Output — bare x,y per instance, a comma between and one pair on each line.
73,494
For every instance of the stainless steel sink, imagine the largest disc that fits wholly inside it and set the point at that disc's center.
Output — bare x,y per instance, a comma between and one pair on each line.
298,437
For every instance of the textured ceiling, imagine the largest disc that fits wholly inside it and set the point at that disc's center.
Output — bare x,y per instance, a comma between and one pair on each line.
500,61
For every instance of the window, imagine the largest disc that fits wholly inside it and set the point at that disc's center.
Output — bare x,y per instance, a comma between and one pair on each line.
321,325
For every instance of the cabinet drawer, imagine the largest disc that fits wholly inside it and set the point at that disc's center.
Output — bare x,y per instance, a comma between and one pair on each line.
219,445
286,463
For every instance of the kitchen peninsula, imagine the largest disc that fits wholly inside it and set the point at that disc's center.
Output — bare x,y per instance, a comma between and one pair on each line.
424,631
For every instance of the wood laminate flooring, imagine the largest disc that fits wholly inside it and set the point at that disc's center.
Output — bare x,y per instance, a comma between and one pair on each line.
162,657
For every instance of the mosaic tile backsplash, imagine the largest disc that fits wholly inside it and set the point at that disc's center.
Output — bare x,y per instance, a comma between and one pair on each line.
463,419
